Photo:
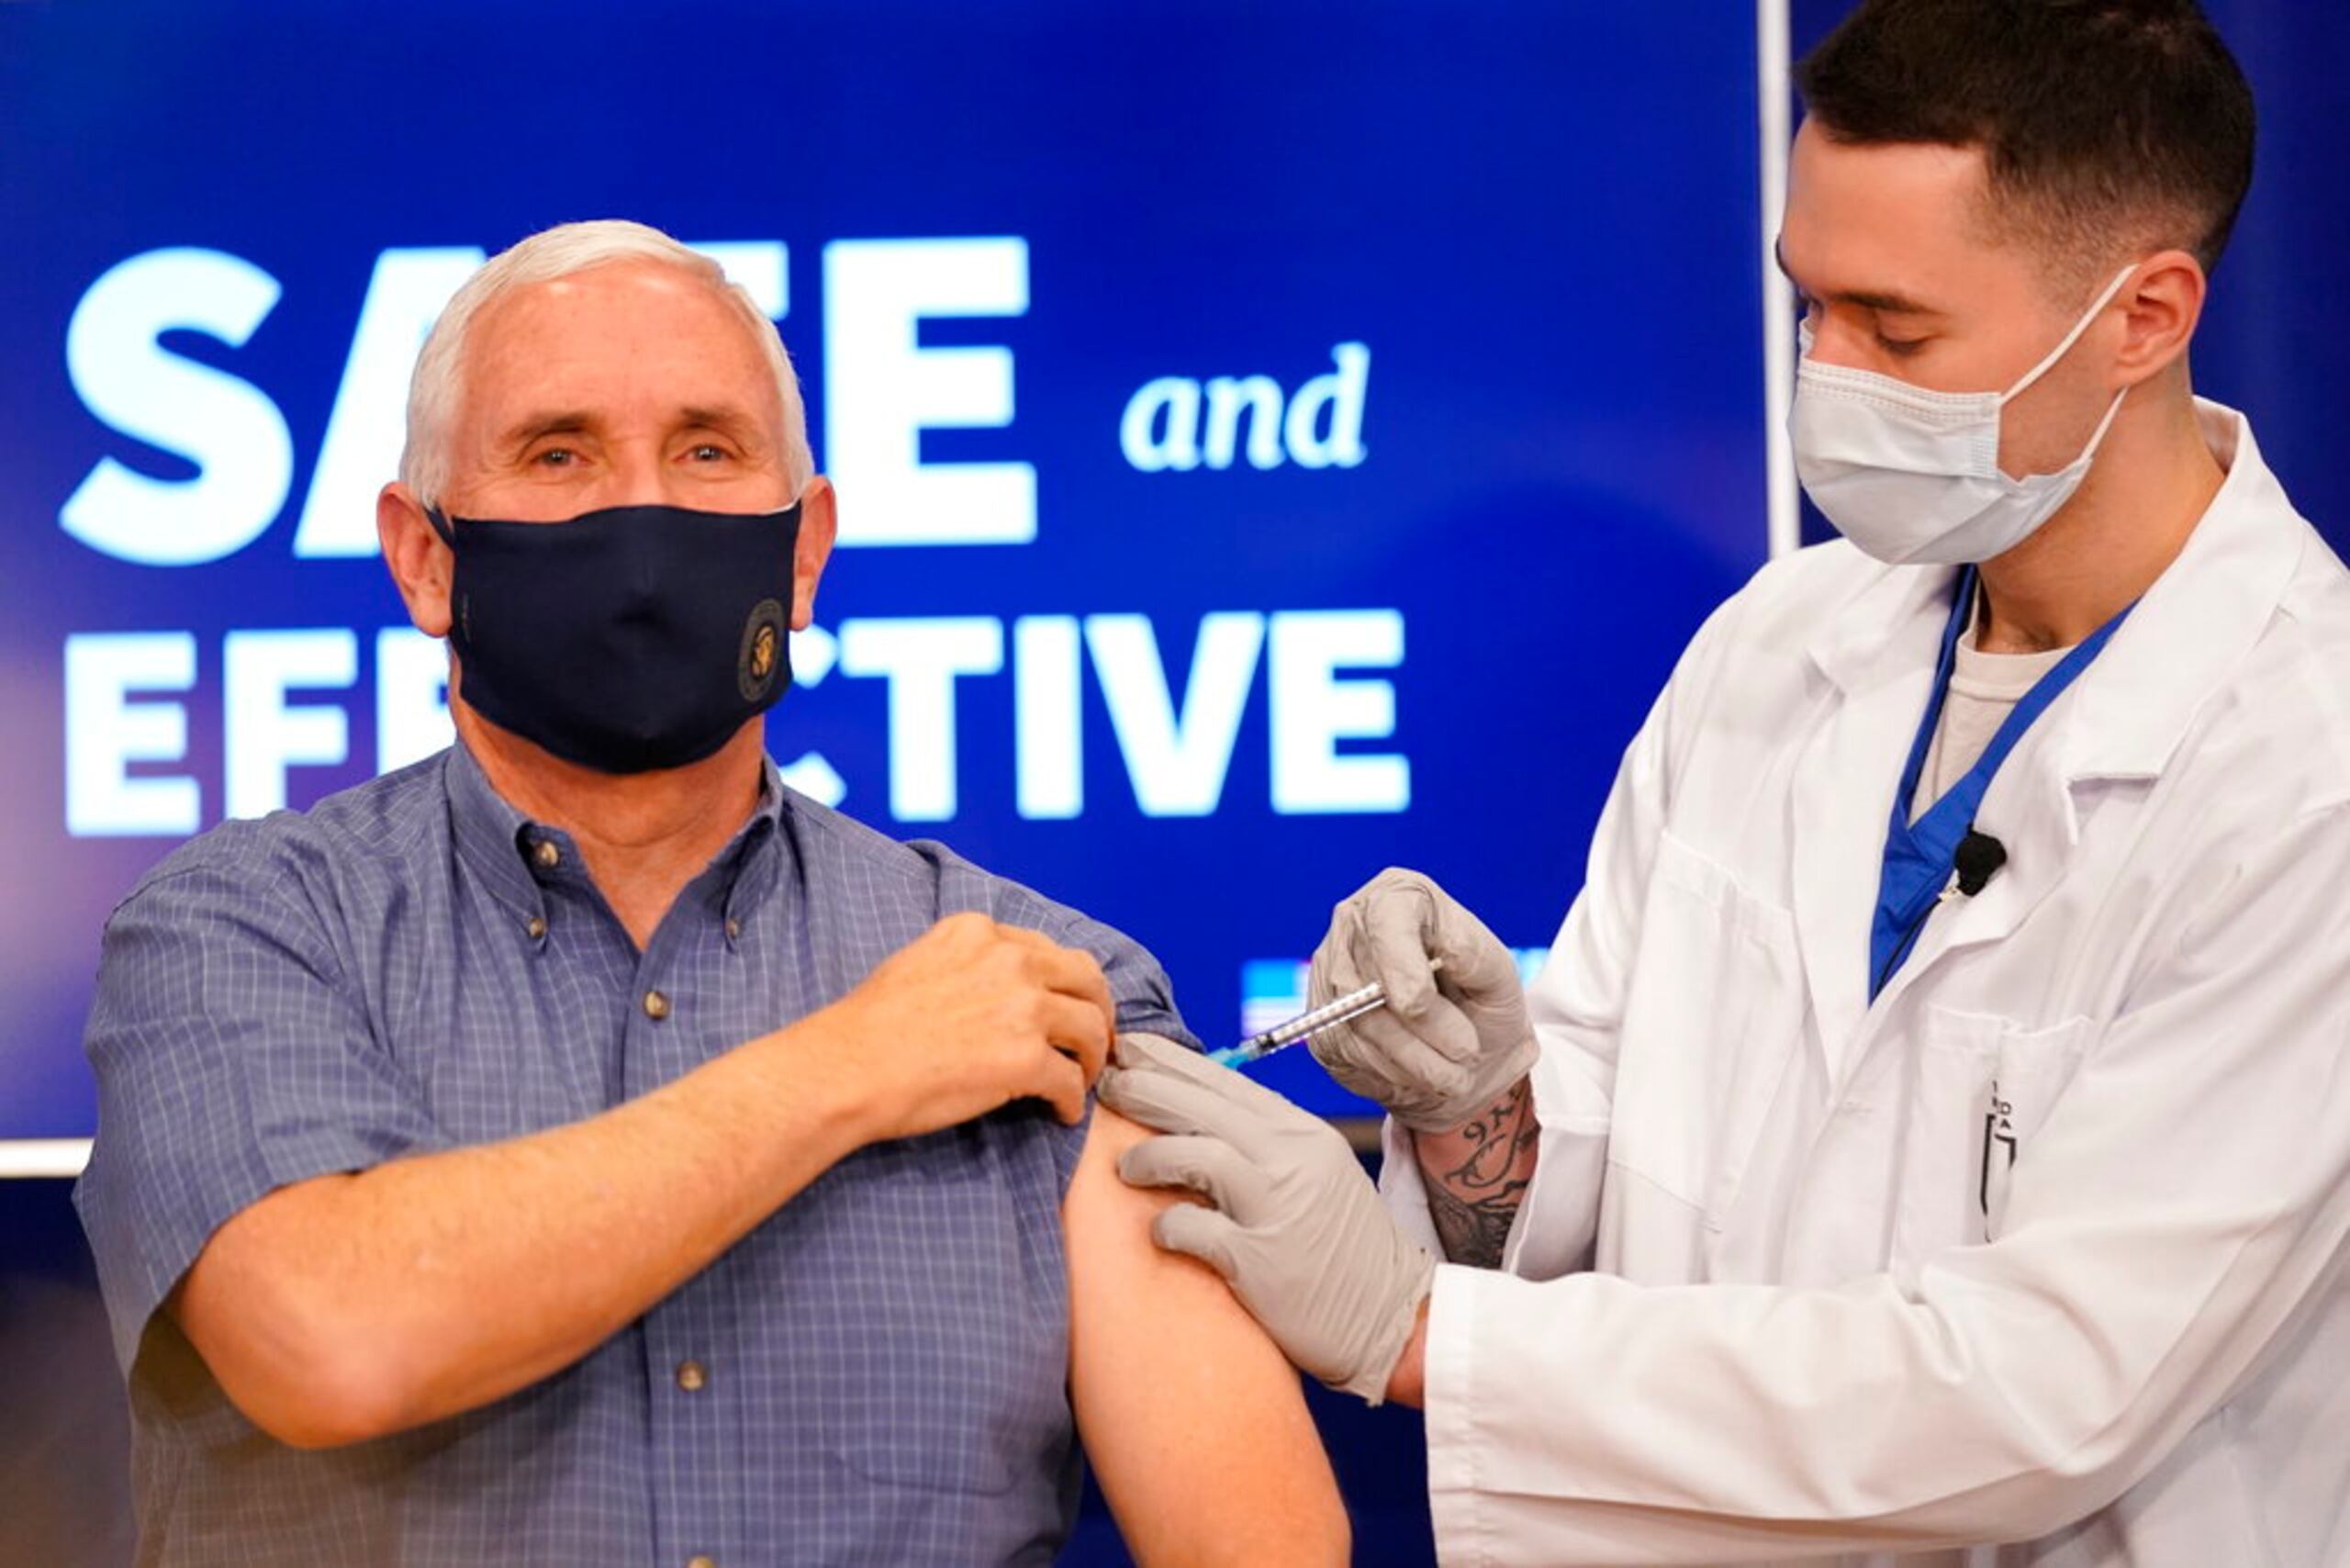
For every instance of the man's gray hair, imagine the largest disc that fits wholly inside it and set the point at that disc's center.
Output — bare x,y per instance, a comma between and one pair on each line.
552,254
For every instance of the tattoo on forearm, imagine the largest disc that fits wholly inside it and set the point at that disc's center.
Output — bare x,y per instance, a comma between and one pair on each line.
1477,1175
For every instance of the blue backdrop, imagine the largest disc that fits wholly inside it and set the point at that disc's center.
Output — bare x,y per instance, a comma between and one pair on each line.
1385,378
1538,219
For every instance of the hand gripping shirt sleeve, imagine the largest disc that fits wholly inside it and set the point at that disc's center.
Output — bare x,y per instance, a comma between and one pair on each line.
2186,1202
1139,989
232,1058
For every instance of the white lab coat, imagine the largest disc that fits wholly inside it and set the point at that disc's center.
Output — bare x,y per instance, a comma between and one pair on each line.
2048,1245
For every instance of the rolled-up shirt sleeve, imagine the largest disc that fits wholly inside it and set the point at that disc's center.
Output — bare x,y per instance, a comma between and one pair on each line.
1139,989
232,1058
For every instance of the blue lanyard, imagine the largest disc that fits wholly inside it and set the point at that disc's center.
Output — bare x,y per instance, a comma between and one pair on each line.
1919,855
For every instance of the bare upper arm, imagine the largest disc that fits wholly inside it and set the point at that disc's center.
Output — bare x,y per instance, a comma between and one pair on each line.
1193,1418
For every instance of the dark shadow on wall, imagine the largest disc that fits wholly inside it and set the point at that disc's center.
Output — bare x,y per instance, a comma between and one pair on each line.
64,1426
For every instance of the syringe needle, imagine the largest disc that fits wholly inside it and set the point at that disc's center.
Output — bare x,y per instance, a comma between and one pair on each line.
1338,1010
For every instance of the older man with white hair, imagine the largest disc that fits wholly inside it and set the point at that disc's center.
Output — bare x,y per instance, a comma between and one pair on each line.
577,1148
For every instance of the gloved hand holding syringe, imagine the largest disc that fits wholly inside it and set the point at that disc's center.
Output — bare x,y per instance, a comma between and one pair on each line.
1338,1010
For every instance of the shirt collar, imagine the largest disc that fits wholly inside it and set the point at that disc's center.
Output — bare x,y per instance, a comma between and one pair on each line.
2193,626
492,837
511,852
2200,618
740,877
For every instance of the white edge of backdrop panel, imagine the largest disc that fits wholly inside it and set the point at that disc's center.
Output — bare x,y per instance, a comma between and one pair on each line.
43,1157
1774,124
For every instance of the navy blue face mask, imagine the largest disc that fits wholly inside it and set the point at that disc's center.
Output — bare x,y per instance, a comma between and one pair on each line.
627,639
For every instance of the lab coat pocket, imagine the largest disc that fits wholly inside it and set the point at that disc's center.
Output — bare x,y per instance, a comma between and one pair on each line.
1981,1086
1712,1019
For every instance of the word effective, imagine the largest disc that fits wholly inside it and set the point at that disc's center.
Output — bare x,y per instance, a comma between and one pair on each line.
125,709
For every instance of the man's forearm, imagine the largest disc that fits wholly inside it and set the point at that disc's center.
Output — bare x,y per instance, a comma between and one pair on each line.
1477,1175
346,1306
351,1305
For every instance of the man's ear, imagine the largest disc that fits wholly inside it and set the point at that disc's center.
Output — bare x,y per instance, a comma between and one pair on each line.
819,524
420,565
2163,307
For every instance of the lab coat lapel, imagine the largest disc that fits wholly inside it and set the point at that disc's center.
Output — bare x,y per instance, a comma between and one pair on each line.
2125,717
1878,652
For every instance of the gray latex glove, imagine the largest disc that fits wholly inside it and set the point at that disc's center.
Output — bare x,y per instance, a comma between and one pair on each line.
1295,1227
1446,1045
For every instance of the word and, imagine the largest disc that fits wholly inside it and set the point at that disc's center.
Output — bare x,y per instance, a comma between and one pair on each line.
1178,423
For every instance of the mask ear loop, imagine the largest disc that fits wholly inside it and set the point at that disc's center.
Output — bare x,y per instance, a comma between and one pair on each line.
2096,437
2087,320
441,525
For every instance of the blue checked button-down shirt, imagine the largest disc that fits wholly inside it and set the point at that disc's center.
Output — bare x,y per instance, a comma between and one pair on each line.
877,1375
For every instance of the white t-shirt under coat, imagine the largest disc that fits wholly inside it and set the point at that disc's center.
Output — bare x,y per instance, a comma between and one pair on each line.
1984,689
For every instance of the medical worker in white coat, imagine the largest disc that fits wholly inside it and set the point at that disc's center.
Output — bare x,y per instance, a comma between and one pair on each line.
1931,1129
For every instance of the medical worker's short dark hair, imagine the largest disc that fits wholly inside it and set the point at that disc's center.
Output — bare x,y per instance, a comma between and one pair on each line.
2105,125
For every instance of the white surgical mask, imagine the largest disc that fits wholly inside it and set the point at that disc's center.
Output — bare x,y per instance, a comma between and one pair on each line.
1913,476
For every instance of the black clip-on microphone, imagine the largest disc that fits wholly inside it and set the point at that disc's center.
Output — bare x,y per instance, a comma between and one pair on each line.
1977,860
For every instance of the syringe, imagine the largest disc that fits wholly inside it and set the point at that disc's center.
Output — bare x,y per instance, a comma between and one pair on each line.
1338,1010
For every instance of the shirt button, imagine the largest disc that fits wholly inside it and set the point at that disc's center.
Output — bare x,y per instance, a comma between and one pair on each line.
546,853
734,928
537,928
656,1006
692,1376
